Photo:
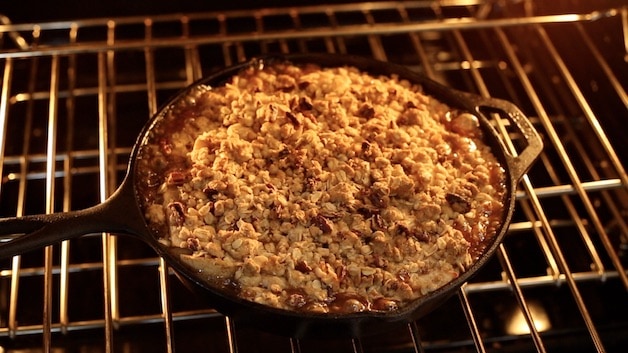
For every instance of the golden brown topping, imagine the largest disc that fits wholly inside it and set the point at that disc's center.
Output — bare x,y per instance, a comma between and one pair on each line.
322,190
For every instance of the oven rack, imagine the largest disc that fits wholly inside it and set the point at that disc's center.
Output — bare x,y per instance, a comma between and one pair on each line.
75,93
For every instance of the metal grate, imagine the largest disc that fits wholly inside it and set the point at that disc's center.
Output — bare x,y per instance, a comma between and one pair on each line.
75,94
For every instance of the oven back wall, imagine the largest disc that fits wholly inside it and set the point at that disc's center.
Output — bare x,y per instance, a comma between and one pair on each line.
37,11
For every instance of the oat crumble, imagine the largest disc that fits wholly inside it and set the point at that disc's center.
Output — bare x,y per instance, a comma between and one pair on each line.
322,189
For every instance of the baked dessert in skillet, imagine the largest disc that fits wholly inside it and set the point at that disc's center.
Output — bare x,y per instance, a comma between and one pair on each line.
322,189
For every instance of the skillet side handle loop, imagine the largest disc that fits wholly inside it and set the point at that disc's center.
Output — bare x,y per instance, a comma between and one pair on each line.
21,234
521,162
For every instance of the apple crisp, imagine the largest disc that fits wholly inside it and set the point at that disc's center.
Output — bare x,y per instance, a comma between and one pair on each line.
321,189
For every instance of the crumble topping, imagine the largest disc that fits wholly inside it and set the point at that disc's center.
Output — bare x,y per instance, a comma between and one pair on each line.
321,189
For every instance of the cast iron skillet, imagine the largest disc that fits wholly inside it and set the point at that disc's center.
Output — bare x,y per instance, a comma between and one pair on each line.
121,213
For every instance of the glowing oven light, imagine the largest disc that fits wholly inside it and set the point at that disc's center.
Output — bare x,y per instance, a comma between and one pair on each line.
517,324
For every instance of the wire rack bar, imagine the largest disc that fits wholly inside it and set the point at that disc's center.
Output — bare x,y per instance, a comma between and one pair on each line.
344,31
540,212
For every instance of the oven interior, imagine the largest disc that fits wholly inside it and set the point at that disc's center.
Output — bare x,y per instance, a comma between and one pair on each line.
76,91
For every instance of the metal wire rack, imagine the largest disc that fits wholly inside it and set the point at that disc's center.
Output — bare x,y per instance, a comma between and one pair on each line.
74,95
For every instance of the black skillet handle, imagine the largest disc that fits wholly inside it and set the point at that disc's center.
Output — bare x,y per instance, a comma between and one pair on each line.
521,162
118,214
